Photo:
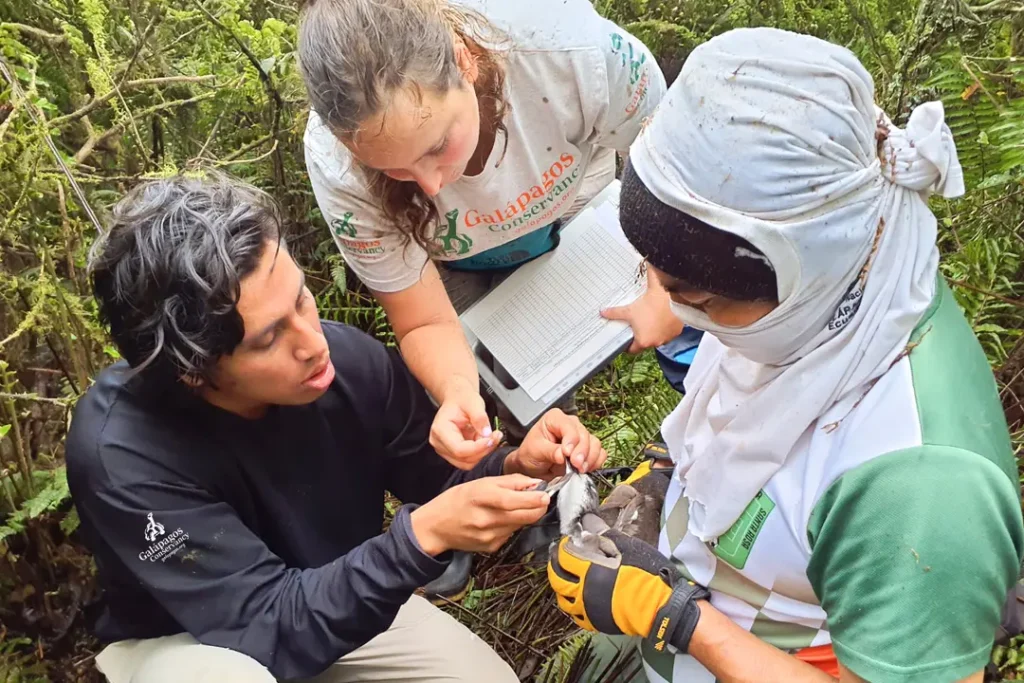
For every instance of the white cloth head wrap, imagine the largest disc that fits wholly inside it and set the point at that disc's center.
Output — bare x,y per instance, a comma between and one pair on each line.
771,135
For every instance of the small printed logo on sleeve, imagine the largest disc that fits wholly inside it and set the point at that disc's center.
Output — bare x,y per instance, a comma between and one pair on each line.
162,544
639,75
632,59
364,250
369,249
343,226
154,529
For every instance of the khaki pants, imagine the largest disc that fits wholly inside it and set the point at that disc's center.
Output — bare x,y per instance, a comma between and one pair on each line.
423,645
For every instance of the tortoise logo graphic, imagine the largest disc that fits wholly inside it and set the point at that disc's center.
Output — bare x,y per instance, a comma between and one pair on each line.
343,225
162,544
154,529
451,242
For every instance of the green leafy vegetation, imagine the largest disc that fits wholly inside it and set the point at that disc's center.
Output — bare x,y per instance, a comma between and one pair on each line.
129,89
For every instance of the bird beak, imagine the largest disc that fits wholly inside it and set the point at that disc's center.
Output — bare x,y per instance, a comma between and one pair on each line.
558,482
554,485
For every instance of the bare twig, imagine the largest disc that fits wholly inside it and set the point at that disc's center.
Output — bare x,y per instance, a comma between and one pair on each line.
302,236
10,411
131,118
995,103
884,60
251,160
84,660
139,44
8,490
11,116
1009,376
290,9
183,37
66,226
1013,302
47,371
996,6
251,146
39,119
230,159
213,131
268,85
998,200
95,140
980,58
920,32
317,278
98,102
1008,386
54,38
35,397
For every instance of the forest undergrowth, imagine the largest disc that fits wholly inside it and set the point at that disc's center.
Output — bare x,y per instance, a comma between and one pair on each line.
123,90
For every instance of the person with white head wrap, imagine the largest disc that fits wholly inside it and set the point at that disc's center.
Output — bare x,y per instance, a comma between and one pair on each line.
844,482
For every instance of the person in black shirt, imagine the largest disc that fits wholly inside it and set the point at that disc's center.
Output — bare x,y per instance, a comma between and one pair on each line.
230,471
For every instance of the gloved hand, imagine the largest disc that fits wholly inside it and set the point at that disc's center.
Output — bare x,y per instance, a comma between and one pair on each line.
619,585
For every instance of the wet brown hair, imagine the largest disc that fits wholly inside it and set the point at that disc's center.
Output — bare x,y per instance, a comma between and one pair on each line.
355,54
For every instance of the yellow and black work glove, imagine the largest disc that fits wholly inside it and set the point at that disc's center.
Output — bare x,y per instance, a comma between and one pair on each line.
615,584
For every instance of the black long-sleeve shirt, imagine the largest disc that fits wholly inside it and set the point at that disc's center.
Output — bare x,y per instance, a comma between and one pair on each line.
263,536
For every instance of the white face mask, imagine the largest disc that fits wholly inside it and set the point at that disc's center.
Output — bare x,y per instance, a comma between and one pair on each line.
680,311
693,317
773,339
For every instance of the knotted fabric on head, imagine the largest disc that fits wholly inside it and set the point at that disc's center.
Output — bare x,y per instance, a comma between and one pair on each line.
771,136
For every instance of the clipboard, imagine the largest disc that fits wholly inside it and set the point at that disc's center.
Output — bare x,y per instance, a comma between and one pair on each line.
538,336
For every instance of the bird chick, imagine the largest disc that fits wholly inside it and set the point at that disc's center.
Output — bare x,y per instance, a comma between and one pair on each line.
577,495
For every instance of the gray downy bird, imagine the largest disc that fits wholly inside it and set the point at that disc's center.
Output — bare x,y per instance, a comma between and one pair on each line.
577,496
634,508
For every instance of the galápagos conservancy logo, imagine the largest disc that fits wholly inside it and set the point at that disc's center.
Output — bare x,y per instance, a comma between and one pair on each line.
168,545
154,529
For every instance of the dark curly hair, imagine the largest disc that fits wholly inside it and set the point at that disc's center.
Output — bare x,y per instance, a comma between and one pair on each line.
167,275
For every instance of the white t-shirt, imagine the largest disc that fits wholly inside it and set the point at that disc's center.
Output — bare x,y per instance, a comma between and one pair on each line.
882,517
578,87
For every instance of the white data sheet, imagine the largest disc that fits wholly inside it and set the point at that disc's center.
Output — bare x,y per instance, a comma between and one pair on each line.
543,325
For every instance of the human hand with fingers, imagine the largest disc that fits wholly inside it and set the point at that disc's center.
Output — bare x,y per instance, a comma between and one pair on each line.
554,440
650,317
479,515
613,583
461,432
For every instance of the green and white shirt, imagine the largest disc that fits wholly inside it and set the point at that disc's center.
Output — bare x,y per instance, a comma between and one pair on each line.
892,532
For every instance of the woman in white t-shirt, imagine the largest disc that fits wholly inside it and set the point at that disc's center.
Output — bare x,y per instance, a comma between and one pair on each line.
463,134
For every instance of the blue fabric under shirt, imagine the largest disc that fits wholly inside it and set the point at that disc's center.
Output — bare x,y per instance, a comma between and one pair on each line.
512,254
